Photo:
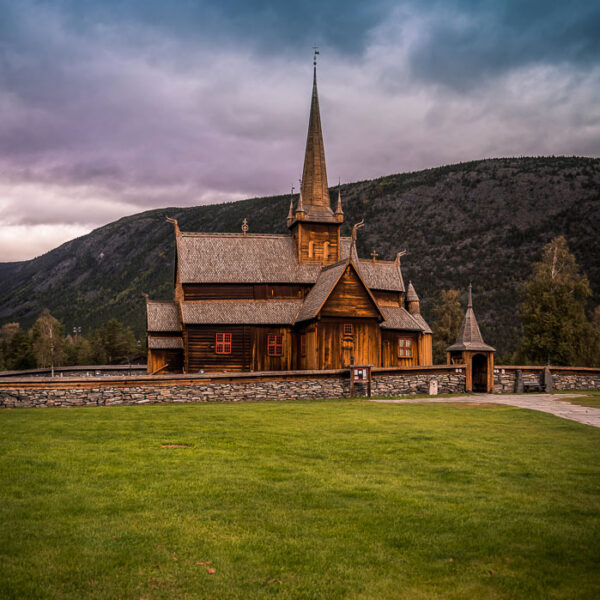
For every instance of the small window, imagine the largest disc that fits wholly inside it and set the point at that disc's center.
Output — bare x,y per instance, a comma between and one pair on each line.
303,345
275,345
348,329
404,347
223,343
311,249
326,251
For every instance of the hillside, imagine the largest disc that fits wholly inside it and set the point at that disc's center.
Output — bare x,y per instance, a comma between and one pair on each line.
484,221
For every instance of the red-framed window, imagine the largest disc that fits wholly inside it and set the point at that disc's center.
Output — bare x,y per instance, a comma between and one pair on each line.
405,347
303,345
223,343
275,345
348,329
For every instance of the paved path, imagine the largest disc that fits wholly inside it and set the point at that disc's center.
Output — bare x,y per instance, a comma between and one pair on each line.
543,402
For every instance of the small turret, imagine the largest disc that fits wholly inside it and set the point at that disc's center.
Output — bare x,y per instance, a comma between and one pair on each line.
290,216
412,300
339,213
300,208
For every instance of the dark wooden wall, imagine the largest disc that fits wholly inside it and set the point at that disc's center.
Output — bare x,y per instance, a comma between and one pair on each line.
249,349
243,291
201,348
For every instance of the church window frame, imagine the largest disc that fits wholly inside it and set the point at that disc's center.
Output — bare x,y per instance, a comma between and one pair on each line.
275,344
223,342
405,347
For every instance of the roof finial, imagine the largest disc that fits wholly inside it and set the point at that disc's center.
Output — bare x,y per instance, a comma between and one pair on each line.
470,299
374,256
355,229
316,52
175,224
245,226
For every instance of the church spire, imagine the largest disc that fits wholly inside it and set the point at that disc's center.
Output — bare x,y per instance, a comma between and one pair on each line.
469,335
339,213
314,176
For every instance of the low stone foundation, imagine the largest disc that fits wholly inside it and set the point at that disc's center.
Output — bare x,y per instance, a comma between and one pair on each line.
243,387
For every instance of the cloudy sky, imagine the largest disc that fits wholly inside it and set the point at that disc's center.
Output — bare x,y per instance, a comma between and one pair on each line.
112,107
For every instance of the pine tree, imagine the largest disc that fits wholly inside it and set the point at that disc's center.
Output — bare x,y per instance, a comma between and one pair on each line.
447,317
555,328
20,354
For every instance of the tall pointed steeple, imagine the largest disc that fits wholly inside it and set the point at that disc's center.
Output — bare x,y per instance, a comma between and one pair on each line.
469,336
314,175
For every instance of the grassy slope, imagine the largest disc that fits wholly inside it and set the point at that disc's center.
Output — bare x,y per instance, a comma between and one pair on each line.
340,499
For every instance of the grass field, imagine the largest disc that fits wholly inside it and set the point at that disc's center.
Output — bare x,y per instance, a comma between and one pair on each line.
331,499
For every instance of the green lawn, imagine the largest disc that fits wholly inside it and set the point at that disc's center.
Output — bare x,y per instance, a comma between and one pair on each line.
590,399
331,499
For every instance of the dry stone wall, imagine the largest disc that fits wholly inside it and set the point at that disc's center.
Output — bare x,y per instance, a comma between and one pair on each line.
563,378
273,387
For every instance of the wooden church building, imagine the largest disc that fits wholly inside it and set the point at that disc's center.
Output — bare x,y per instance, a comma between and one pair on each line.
302,300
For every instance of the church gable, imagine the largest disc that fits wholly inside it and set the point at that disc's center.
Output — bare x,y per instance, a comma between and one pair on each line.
350,298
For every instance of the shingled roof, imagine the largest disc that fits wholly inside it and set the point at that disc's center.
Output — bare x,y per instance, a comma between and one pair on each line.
161,316
238,258
469,336
319,293
165,343
385,275
243,312
422,322
397,317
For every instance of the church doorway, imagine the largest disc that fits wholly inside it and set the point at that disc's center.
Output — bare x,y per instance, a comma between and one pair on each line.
480,374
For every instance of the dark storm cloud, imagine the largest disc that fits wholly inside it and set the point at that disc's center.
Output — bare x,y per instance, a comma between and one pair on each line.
467,42
110,107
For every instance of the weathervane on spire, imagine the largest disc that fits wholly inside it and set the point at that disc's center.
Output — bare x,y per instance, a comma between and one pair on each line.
316,50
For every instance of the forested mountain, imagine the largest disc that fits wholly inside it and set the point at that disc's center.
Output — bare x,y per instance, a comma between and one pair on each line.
484,221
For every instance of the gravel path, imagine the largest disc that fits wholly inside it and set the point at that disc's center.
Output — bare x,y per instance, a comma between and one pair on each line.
543,402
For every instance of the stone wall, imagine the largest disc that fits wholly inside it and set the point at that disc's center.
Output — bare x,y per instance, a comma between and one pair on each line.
563,378
225,388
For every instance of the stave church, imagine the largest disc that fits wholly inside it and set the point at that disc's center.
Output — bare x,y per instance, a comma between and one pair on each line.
302,300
